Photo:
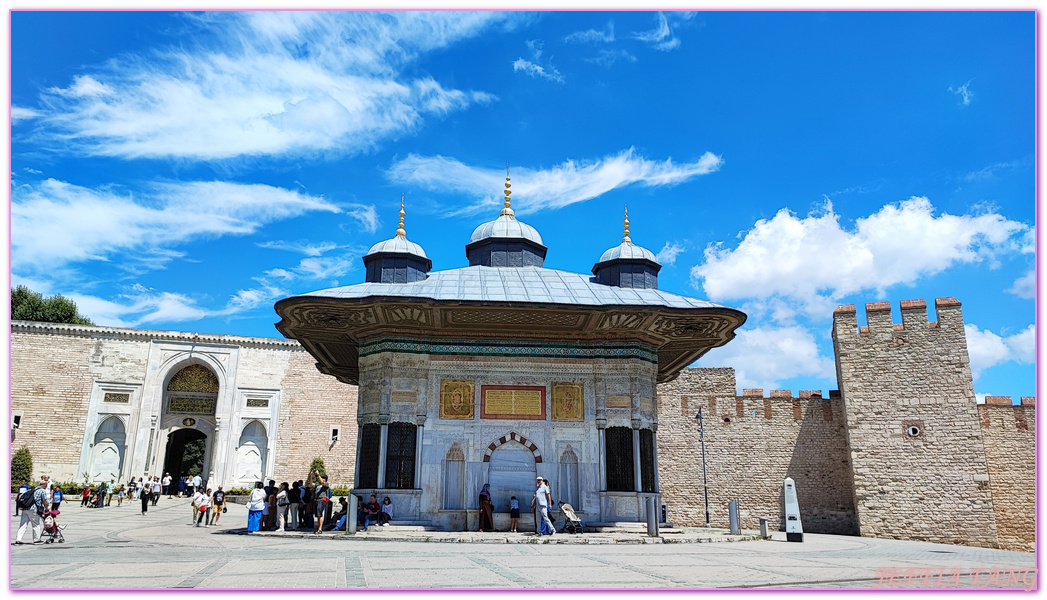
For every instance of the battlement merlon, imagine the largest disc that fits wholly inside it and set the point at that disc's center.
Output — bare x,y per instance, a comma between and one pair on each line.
880,319
1006,401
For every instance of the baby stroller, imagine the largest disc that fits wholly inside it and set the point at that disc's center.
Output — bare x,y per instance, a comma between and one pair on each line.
52,530
572,524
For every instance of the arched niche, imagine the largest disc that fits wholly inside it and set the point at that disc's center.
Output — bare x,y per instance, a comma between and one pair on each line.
251,452
107,452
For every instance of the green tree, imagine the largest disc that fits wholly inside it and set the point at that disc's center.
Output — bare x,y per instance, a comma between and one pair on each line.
21,465
27,305
317,465
193,458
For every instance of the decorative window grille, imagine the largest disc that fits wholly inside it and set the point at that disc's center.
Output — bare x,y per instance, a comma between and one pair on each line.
647,460
370,454
619,446
399,456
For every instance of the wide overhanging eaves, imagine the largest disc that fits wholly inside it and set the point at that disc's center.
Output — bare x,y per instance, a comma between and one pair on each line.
331,329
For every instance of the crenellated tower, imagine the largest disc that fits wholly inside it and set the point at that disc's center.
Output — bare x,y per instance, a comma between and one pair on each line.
916,448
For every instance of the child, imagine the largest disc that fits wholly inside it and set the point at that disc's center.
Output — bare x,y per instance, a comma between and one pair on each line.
387,512
514,513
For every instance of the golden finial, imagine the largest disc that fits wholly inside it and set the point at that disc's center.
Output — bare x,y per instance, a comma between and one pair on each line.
400,230
626,240
507,210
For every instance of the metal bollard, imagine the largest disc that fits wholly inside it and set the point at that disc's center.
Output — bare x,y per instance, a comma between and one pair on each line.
732,510
652,517
763,529
350,517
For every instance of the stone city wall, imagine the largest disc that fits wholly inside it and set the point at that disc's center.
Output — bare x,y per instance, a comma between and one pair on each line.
752,444
1009,433
916,446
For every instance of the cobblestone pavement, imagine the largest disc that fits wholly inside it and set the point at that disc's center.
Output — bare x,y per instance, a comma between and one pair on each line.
117,547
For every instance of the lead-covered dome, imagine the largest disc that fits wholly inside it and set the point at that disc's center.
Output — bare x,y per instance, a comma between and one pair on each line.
397,260
627,265
506,241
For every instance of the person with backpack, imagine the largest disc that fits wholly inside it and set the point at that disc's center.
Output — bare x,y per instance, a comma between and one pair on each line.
22,488
33,504
322,497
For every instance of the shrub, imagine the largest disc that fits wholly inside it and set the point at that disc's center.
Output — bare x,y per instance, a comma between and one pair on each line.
21,466
316,465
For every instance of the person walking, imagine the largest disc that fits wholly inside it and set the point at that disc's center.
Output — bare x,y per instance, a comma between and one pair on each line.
202,502
218,503
85,496
157,488
543,500
144,491
167,485
32,518
22,488
486,512
56,498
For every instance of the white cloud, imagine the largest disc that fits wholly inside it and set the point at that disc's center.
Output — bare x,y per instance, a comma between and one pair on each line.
263,84
987,349
32,171
19,113
366,214
1025,286
964,93
306,248
667,255
765,356
534,69
606,58
814,258
661,37
54,223
552,188
592,36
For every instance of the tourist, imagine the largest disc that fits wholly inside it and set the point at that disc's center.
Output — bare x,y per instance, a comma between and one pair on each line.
100,497
282,503
33,517
86,496
255,505
157,488
514,513
218,502
202,501
308,505
387,512
294,499
120,493
269,514
167,485
56,498
486,513
322,497
371,511
338,518
110,490
145,492
21,489
181,486
131,487
543,500
190,489
197,482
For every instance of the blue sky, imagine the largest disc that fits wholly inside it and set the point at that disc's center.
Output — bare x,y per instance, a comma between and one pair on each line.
184,171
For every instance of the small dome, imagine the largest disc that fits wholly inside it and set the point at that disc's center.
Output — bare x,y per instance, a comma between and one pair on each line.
399,245
628,250
506,226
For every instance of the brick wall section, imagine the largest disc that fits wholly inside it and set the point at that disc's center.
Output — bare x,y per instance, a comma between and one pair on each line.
934,486
1010,449
749,458
51,380
312,404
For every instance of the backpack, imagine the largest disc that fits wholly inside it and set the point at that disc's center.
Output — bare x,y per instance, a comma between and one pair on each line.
26,500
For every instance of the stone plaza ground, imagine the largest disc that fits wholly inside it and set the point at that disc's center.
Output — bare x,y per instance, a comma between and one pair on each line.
118,548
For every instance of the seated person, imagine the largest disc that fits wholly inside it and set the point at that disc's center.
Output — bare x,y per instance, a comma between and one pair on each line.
343,510
387,512
371,511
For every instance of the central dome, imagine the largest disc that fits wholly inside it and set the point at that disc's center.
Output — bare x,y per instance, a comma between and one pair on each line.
506,226
505,241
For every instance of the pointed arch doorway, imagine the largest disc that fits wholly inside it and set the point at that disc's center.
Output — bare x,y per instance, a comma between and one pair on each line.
186,449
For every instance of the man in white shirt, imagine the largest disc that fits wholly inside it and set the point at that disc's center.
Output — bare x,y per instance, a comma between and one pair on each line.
544,500
202,503
167,485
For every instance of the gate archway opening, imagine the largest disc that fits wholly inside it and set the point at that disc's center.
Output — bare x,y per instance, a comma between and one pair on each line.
185,454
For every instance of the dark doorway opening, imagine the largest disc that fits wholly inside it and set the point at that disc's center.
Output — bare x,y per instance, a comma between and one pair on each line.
185,454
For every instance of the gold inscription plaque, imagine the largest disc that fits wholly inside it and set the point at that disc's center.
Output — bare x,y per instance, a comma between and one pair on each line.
456,399
567,402
512,402
619,402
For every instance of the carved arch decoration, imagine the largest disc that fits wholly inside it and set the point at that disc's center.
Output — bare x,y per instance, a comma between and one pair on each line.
514,437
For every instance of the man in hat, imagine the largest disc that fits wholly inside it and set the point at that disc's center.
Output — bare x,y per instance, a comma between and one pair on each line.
543,500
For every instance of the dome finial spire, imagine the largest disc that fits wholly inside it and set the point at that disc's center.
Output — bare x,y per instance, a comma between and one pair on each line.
400,230
626,239
507,210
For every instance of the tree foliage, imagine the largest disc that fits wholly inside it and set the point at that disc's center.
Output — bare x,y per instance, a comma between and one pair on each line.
317,465
27,305
193,458
22,465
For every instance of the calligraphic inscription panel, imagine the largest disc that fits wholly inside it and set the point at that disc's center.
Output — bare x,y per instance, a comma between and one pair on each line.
456,399
567,402
512,402
618,402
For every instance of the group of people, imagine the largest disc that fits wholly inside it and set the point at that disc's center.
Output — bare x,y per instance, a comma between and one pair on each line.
146,489
207,506
301,505
540,505
45,497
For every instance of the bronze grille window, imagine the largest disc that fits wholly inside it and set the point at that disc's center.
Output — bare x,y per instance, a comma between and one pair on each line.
620,474
399,456
370,447
647,460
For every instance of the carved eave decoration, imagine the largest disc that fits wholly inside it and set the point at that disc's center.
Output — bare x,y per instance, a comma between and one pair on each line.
331,328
